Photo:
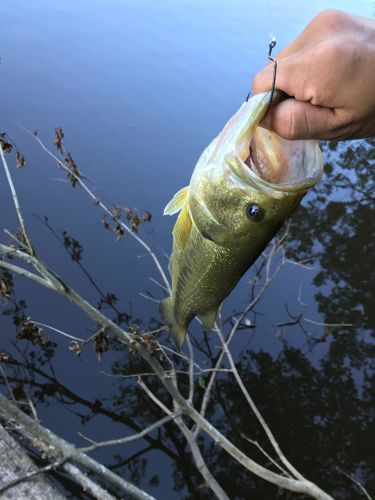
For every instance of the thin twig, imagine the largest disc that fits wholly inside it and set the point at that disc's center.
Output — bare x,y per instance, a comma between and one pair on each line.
30,475
263,451
360,486
16,202
152,396
7,383
157,301
64,334
32,408
333,325
191,370
129,439
158,284
152,374
19,242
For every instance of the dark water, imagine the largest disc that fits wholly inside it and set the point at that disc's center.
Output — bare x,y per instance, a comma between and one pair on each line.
139,89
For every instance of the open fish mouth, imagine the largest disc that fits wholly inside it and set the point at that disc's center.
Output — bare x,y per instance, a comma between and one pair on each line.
281,162
287,165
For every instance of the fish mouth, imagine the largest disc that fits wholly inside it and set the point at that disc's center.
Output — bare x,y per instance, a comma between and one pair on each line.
283,164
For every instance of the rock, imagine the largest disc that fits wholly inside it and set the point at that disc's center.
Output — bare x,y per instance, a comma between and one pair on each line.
15,463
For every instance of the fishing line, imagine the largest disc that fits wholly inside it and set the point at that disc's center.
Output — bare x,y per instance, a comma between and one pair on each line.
271,46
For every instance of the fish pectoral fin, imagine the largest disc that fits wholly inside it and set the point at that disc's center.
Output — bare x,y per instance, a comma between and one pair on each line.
182,228
168,316
177,202
208,319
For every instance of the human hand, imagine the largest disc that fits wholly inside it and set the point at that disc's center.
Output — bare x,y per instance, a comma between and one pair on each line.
329,73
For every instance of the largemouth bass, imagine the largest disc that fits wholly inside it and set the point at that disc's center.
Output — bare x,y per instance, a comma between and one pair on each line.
245,184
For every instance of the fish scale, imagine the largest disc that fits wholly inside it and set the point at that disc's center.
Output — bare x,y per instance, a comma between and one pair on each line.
231,210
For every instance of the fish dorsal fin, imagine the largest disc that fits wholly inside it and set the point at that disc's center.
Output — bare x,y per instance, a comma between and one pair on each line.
177,202
182,227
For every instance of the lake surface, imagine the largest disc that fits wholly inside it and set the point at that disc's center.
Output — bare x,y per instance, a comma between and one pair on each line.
139,89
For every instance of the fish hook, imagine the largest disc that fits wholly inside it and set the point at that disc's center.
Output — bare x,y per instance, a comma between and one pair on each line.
271,46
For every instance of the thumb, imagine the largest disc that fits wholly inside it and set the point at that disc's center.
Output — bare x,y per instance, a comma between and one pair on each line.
292,119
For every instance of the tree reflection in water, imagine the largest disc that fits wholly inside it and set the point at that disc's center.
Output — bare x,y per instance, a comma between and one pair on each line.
321,411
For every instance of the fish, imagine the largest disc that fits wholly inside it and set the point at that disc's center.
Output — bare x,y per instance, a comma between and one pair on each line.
246,183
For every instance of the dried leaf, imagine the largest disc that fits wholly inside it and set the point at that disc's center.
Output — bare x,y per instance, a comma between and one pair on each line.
147,217
20,160
74,246
7,146
101,343
120,233
75,347
116,213
6,284
59,136
105,222
33,332
74,175
149,343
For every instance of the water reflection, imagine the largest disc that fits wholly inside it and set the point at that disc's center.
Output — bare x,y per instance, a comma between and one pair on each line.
320,409
338,228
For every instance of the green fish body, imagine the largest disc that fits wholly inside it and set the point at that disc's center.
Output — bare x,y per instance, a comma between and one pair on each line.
245,184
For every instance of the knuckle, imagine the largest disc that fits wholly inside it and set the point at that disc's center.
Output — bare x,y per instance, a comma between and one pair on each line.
331,19
341,53
331,50
293,128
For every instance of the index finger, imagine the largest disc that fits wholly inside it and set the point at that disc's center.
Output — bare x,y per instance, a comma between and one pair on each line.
292,72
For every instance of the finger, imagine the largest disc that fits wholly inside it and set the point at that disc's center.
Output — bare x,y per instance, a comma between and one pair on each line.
292,119
295,55
291,75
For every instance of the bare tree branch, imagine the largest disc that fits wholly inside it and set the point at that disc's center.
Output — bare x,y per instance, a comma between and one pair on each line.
86,483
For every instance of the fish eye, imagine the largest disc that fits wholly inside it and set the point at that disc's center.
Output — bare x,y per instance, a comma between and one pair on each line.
254,212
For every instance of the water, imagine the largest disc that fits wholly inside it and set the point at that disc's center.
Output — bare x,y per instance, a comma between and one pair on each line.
139,90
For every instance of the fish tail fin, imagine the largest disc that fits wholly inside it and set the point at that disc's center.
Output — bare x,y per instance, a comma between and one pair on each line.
169,318
208,319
